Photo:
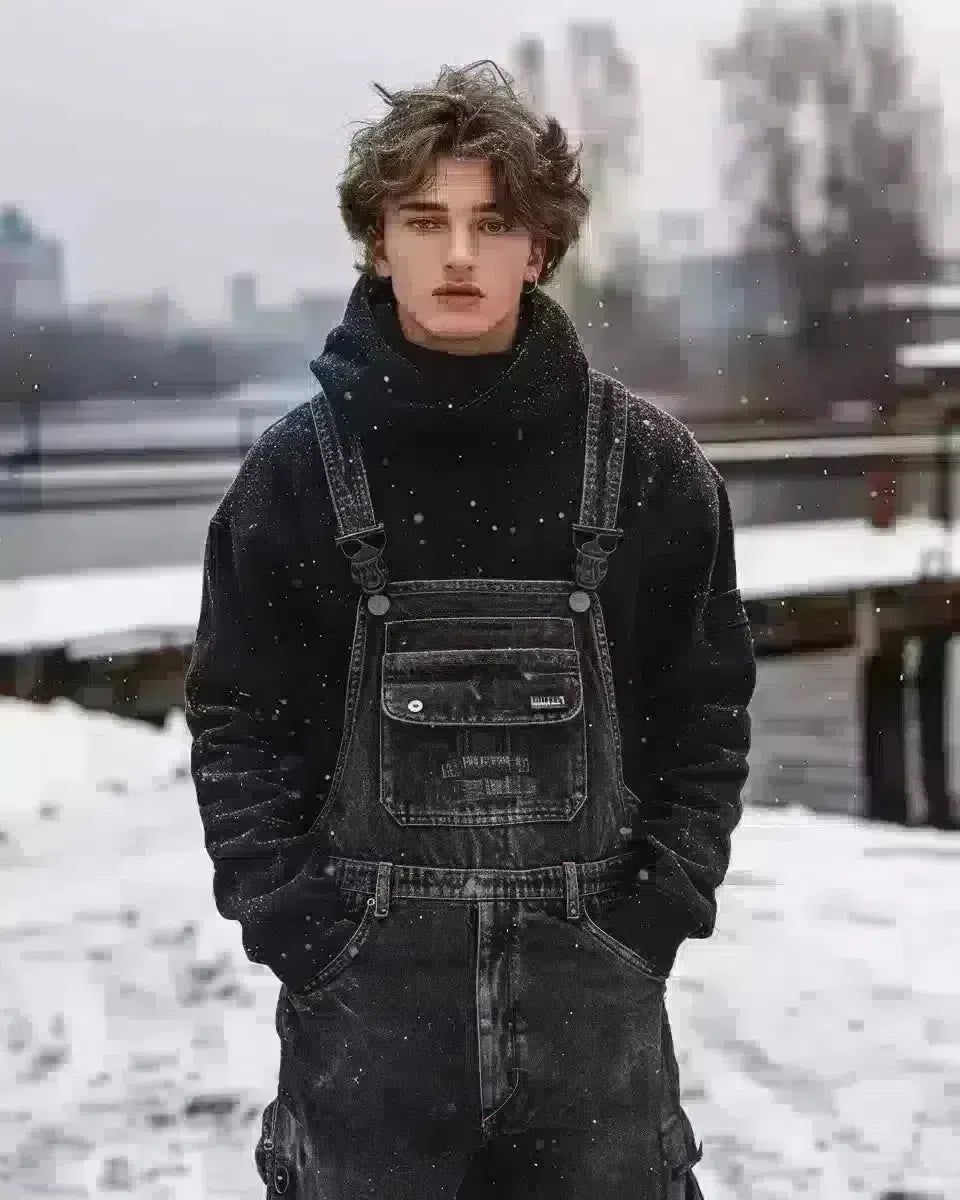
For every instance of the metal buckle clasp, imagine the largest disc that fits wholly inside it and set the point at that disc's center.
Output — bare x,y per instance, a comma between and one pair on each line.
592,555
366,563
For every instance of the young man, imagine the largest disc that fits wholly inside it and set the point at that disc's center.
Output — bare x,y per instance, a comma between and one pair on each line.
469,702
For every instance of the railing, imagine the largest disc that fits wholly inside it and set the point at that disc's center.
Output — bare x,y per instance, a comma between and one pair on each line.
72,439
31,481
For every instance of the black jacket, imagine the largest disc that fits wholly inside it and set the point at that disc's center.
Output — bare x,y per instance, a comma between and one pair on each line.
483,484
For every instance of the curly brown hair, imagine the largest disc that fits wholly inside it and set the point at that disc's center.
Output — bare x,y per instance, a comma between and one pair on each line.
466,113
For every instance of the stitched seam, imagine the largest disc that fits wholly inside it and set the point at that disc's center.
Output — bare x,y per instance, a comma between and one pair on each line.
354,680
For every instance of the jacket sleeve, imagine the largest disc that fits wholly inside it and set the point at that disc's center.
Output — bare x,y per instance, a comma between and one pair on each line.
699,674
249,757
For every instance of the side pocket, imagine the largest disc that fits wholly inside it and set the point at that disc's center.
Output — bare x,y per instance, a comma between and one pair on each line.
341,960
263,1154
680,1153
275,1153
590,921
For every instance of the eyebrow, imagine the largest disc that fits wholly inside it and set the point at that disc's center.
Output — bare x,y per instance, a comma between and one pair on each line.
424,206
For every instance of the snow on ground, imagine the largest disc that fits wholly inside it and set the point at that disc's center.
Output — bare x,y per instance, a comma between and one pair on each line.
818,1031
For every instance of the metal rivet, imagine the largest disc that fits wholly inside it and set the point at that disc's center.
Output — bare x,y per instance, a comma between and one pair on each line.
378,604
415,705
579,601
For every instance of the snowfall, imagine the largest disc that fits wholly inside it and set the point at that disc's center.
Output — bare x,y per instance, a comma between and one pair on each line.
818,1030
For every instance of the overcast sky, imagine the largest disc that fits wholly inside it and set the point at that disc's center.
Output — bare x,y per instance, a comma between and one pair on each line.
170,143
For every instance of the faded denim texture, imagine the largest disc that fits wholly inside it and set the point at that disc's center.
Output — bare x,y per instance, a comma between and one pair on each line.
474,915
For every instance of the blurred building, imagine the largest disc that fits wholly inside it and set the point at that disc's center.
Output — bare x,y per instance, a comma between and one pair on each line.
925,312
606,120
306,321
318,313
714,295
592,92
242,301
528,65
711,295
157,314
31,269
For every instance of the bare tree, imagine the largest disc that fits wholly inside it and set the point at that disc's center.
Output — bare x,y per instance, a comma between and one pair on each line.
838,163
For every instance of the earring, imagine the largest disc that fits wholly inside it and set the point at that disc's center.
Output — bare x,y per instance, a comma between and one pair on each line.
523,290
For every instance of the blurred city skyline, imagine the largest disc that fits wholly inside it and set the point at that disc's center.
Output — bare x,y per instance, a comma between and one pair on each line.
170,147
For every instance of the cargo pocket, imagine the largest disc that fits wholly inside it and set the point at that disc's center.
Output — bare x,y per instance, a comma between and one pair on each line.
275,1153
482,736
680,1153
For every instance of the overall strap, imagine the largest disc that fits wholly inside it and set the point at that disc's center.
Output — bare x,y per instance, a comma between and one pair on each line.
596,535
359,535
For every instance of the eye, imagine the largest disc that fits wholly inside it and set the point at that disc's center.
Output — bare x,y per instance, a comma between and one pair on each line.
500,226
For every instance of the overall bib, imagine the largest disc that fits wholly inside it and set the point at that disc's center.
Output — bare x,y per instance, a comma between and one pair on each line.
479,1035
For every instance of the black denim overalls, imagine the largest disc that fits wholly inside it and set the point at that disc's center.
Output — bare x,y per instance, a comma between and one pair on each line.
479,1028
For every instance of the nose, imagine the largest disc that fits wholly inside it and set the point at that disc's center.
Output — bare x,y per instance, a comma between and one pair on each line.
462,246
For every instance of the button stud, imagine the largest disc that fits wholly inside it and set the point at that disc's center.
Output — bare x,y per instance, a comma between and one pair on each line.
579,601
415,706
378,604
281,1179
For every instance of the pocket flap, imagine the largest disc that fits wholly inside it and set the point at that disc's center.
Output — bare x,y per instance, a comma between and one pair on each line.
531,686
679,1144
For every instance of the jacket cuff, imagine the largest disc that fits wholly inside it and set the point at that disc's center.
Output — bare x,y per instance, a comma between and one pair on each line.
653,923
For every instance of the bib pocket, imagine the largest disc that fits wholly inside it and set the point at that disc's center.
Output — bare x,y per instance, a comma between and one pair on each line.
482,736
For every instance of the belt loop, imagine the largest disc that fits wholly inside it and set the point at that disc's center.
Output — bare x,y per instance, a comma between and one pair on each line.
572,891
383,889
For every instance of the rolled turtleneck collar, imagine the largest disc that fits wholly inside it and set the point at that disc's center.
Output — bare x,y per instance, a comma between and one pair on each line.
380,380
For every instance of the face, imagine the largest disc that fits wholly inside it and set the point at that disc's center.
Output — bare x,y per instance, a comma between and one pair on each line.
449,232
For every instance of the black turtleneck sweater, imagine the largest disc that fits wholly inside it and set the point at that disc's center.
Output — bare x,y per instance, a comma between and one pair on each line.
474,465
477,470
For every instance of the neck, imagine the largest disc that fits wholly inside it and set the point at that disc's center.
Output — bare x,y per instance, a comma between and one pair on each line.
496,340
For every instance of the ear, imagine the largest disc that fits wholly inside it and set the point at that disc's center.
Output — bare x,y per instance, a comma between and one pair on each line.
538,254
381,266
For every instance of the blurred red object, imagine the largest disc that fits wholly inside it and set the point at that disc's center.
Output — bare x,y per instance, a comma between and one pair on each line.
882,489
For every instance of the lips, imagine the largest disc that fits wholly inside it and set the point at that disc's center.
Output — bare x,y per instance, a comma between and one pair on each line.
452,291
